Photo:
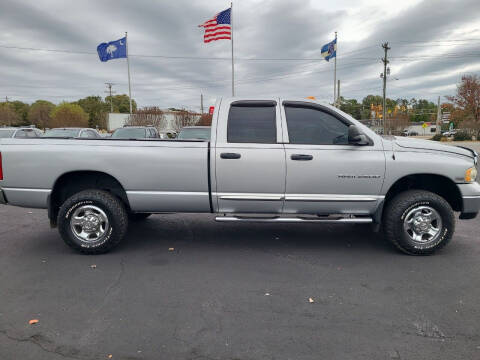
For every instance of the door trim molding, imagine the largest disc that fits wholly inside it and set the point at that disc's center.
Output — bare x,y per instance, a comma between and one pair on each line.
250,196
299,197
333,197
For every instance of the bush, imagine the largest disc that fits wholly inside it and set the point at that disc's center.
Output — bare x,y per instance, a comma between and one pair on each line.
462,136
437,137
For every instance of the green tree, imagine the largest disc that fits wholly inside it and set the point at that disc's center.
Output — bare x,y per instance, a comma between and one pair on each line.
121,103
21,109
8,116
69,115
352,107
39,113
96,109
372,99
422,110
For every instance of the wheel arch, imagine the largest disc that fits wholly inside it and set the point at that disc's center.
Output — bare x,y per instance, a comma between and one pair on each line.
73,182
438,184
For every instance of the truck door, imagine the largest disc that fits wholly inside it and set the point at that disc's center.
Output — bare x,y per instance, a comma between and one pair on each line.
326,174
249,158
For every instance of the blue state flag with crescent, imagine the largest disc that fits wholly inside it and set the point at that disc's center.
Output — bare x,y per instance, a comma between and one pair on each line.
329,50
112,50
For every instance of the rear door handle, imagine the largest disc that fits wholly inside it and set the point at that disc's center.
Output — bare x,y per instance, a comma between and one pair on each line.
301,157
230,156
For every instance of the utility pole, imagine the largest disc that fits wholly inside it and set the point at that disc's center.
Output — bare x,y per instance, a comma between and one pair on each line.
384,75
110,92
201,104
439,117
338,94
6,99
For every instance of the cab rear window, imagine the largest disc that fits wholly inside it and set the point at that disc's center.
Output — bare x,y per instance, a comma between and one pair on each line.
252,123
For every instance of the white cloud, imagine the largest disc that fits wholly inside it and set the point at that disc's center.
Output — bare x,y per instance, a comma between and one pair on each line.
263,29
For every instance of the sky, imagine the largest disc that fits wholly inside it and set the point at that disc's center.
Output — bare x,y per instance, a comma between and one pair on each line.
277,47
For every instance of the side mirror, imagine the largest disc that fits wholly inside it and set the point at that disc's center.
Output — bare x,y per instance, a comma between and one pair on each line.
356,137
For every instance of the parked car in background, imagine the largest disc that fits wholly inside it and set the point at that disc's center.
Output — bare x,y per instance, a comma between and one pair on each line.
449,133
22,132
195,133
136,132
72,132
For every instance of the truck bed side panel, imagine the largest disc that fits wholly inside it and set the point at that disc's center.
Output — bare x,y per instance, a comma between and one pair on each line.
157,176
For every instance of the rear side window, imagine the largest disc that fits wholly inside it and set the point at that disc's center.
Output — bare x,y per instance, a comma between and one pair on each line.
308,125
20,134
252,124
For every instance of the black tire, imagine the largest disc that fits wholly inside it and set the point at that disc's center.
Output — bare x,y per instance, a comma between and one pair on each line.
138,216
398,209
112,208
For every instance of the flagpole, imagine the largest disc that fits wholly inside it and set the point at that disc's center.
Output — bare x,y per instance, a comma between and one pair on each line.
233,68
128,67
335,74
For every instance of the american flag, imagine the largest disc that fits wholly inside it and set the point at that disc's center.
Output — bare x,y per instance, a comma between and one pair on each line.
218,28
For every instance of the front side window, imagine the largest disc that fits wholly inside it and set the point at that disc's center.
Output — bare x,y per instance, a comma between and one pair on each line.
252,124
308,125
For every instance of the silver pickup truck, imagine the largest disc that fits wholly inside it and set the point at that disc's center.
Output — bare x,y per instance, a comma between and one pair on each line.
269,160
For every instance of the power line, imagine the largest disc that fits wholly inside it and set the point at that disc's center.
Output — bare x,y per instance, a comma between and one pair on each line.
218,58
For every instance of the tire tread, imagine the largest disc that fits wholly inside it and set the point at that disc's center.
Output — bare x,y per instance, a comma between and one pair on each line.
115,206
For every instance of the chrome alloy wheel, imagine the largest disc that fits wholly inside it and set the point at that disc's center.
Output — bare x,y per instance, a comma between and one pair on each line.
89,223
423,224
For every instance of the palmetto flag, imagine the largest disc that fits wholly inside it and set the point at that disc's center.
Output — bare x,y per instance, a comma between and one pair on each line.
329,50
112,50
219,27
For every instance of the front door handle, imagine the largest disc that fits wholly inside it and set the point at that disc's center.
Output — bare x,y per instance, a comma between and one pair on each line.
301,157
230,156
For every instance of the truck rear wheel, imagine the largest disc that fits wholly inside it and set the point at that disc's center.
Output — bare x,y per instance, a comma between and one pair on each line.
92,221
418,222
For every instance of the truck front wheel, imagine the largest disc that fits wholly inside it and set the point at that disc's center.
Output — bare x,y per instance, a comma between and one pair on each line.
418,222
92,221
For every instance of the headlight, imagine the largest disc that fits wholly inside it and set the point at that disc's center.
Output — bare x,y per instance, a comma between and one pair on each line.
471,174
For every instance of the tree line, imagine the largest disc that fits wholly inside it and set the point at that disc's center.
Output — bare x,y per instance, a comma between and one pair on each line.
463,107
90,111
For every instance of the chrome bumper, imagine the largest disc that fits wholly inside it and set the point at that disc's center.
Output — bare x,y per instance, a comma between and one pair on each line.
2,198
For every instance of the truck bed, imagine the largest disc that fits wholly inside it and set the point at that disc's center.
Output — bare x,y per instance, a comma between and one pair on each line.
157,175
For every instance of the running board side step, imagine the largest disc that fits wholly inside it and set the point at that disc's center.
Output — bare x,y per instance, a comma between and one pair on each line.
279,219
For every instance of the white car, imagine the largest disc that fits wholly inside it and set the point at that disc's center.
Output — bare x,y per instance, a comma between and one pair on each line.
22,132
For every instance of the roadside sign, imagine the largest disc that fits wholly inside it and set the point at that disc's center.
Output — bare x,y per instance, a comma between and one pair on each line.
211,109
424,125
446,117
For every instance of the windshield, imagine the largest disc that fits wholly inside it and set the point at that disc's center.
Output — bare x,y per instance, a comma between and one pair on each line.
194,134
129,133
6,133
61,133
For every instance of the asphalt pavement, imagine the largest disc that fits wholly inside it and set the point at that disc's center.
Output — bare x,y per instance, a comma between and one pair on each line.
185,287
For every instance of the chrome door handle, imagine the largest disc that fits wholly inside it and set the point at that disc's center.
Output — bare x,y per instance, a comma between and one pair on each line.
301,157
230,156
